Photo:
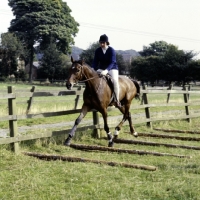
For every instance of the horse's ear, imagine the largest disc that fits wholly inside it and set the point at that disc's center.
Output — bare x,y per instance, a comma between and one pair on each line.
72,60
82,62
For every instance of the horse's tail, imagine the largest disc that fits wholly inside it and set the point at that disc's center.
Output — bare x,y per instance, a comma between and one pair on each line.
137,96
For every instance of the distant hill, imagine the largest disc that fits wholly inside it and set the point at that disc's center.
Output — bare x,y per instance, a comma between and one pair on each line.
76,51
127,54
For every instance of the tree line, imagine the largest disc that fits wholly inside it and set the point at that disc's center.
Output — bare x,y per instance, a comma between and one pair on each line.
163,61
47,28
45,24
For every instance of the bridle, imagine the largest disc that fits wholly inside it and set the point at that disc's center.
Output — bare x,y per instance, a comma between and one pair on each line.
87,79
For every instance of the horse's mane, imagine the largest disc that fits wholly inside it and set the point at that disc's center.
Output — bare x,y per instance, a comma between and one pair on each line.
86,64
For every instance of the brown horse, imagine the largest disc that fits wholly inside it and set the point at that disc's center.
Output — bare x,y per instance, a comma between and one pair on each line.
98,95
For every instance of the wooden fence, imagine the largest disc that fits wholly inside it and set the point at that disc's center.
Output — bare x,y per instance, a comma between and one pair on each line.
12,95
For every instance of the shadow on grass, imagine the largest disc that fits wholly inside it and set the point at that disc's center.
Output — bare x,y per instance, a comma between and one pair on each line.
56,140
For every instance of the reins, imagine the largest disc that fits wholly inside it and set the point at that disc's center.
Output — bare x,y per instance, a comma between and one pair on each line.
87,79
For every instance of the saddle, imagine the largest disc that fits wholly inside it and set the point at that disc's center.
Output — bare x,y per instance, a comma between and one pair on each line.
110,83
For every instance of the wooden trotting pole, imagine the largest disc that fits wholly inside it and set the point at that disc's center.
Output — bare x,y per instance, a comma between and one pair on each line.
85,160
128,151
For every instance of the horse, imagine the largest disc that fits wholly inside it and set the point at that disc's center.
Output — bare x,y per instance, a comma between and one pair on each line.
98,95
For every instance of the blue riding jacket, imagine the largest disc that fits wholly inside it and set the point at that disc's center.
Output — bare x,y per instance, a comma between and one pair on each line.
105,61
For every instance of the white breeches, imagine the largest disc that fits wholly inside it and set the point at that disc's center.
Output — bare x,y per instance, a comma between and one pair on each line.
115,75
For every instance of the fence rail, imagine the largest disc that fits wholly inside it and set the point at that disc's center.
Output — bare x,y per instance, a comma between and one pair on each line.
13,95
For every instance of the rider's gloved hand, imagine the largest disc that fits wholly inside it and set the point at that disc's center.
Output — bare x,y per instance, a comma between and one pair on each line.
104,72
99,71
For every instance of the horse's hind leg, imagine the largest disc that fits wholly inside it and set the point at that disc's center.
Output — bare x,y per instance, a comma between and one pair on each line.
84,111
106,128
118,127
132,130
126,115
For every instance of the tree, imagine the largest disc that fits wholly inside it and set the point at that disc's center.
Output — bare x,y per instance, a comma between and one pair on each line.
121,63
36,22
51,63
176,64
66,64
88,54
146,68
162,61
11,49
193,71
158,48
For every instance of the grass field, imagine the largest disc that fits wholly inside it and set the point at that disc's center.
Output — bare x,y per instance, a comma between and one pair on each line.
24,177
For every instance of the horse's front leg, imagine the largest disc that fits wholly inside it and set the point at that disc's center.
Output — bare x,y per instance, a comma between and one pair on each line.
106,128
84,111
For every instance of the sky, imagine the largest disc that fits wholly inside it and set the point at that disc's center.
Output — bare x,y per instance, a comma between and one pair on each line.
131,24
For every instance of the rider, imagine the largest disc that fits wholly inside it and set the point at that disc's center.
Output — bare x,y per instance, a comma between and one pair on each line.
105,62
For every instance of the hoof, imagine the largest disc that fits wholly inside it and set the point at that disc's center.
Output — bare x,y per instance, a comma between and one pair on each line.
115,137
135,134
116,133
67,141
110,144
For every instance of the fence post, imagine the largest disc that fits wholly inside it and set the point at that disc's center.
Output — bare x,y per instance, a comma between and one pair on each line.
186,100
142,100
147,110
77,98
30,101
168,95
13,123
96,131
189,89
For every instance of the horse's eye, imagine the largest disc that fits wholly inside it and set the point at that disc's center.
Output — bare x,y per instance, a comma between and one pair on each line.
77,70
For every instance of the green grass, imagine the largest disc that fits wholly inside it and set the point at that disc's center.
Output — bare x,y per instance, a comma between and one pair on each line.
24,177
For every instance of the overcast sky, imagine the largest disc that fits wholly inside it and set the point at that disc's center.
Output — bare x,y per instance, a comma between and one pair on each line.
131,24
